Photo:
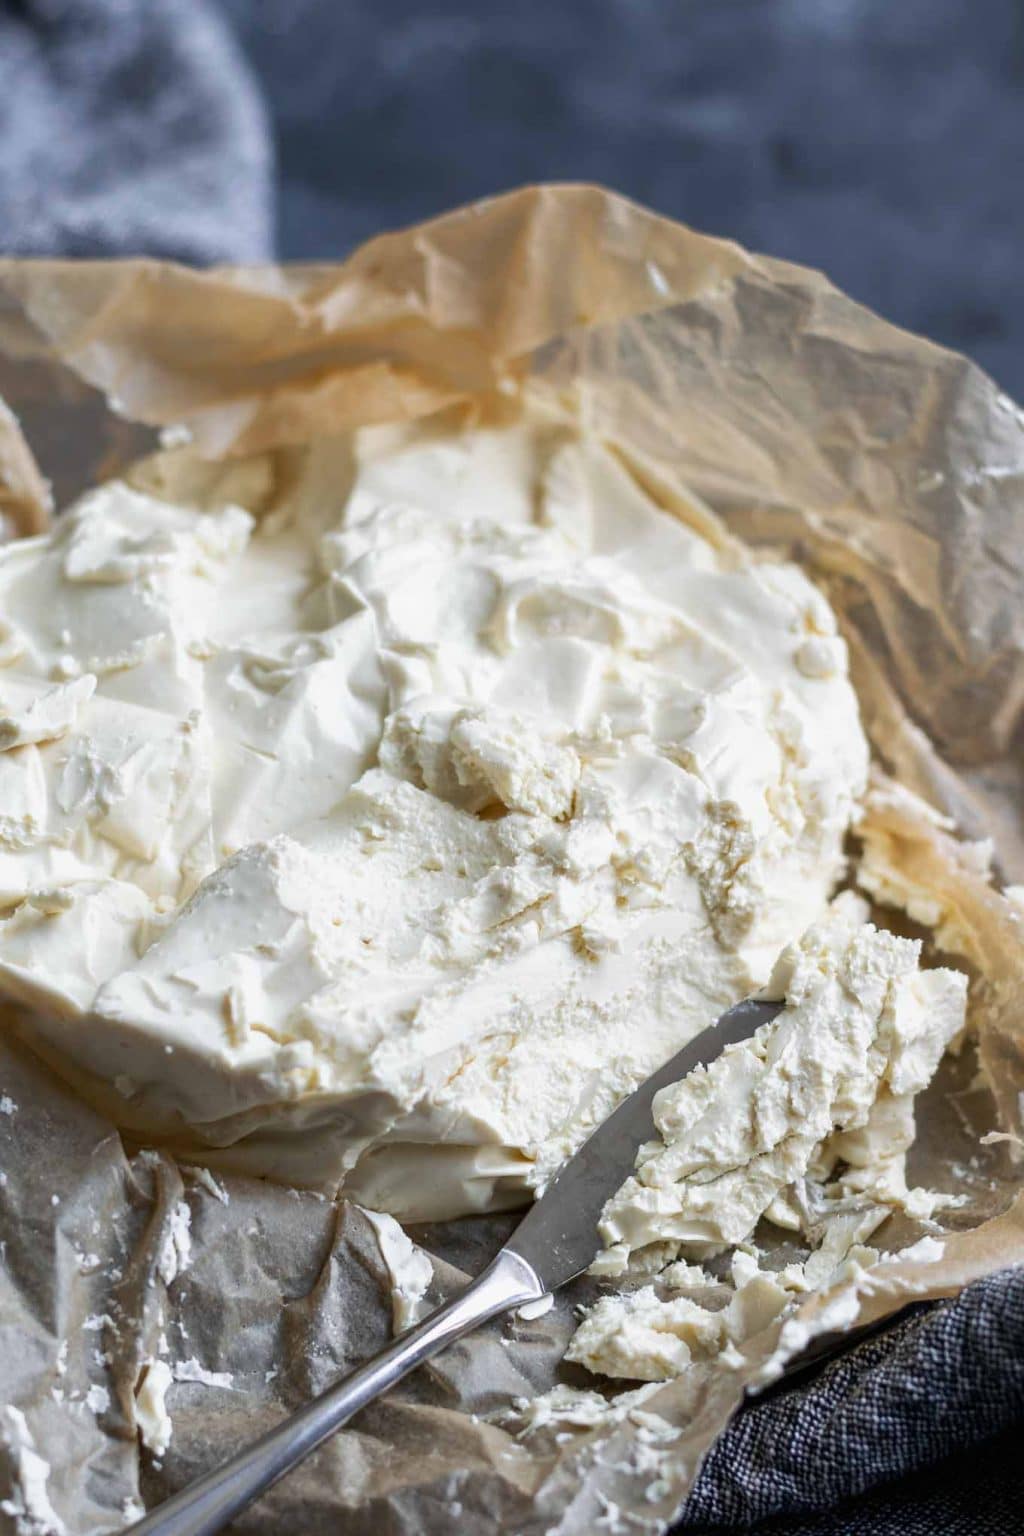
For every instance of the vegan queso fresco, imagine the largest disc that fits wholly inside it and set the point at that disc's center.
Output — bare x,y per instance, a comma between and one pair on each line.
385,841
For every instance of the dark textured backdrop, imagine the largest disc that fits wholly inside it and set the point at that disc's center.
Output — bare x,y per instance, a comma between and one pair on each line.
878,139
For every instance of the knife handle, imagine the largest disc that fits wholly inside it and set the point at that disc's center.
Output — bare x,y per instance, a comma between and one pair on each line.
207,1505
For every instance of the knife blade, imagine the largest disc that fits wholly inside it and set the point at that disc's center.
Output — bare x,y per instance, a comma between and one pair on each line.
558,1236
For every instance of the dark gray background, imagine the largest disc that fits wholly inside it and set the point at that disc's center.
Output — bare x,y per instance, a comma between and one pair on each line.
878,139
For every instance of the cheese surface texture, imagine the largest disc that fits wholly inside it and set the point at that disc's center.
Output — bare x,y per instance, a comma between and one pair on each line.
391,837
807,1123
831,1078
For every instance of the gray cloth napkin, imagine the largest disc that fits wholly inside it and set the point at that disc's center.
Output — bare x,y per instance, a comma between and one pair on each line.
127,127
874,1445
135,126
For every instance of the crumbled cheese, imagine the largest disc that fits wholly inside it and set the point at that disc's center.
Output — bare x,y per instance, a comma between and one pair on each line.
831,1079
863,1029
530,1311
176,1247
569,1406
29,1505
191,1370
409,1269
151,1417
643,1337
927,1250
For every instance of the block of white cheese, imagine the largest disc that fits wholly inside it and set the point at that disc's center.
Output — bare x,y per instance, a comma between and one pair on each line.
391,838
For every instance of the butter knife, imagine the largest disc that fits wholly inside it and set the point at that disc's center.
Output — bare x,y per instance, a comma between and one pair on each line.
555,1241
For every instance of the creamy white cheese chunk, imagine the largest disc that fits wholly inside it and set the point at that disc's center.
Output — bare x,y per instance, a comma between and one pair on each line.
862,1030
808,1122
391,838
647,1335
409,1269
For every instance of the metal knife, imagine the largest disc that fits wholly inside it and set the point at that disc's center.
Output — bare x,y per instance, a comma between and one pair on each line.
555,1241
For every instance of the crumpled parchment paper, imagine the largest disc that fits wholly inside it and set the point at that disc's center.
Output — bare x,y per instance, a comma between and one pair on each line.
893,470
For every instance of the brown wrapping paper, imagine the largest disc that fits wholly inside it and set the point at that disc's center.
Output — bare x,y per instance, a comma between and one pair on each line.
892,469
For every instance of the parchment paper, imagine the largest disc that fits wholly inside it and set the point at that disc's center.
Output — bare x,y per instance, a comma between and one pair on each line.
892,469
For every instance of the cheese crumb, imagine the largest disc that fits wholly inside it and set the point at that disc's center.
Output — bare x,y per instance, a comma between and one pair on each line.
409,1269
151,1417
29,1505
